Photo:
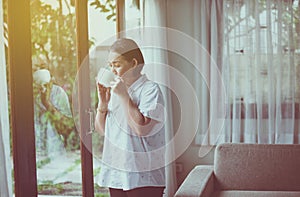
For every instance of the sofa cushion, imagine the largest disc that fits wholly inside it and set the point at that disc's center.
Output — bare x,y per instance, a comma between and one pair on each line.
257,167
255,194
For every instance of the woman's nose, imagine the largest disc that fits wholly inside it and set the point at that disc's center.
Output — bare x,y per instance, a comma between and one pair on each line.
113,70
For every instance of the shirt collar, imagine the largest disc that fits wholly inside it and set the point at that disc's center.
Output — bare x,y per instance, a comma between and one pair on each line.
140,81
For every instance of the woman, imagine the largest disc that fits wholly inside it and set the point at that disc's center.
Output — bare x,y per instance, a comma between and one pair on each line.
130,114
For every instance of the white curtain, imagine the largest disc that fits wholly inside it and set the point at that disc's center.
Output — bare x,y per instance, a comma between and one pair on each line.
261,70
208,31
154,16
151,35
5,161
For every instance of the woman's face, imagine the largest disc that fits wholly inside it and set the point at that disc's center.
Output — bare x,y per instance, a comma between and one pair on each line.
118,64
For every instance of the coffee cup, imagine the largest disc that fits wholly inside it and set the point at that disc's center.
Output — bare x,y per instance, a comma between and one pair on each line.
105,77
42,76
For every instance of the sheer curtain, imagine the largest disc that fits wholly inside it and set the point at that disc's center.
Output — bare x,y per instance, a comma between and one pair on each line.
154,14
208,31
5,162
261,70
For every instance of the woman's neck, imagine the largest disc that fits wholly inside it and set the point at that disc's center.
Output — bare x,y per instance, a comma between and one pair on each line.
129,80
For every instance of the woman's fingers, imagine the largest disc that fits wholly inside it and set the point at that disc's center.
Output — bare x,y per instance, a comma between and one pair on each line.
103,93
101,88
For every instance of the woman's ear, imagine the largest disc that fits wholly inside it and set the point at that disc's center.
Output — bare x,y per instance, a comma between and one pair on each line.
134,62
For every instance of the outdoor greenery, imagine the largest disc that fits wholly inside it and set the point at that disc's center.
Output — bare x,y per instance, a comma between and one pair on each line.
107,6
70,189
235,18
242,27
54,41
54,48
43,162
53,35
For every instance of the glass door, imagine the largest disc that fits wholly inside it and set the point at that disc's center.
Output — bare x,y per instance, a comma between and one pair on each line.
54,61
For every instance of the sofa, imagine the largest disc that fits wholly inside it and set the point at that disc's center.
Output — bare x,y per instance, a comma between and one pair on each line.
246,170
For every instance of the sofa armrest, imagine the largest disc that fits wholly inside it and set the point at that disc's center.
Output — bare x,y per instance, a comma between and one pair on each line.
198,183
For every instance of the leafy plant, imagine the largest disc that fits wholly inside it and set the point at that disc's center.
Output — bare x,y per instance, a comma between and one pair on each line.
97,171
54,48
54,42
108,6
43,162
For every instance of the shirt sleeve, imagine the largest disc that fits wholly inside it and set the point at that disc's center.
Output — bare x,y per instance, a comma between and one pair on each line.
60,100
151,102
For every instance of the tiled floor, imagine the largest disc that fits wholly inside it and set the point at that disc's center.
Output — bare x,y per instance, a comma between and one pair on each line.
53,196
63,168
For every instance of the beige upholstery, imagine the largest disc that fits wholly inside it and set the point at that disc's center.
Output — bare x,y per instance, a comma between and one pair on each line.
246,170
236,193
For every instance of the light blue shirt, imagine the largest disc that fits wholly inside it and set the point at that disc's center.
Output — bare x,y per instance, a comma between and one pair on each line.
130,161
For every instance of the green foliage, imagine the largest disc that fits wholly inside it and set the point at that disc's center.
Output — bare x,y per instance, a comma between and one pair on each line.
43,162
54,42
54,48
48,185
290,16
73,141
69,189
5,20
97,141
101,195
97,171
107,6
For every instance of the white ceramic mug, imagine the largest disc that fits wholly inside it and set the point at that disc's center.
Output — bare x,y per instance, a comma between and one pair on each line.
105,76
42,76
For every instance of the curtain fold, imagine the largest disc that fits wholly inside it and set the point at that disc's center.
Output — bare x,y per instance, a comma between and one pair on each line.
5,162
208,31
154,14
261,69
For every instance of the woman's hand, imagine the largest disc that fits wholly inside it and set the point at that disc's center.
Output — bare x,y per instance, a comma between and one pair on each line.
103,95
45,94
120,88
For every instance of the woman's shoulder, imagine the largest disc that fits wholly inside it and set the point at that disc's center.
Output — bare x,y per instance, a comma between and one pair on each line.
151,86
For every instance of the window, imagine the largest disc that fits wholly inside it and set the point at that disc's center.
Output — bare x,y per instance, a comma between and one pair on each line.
262,46
54,67
261,71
